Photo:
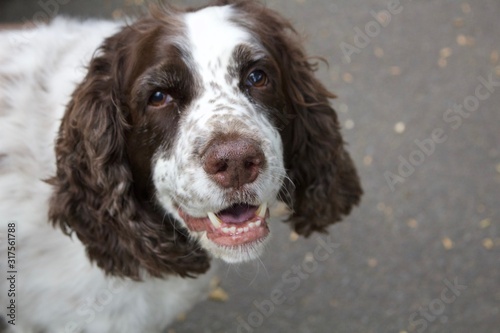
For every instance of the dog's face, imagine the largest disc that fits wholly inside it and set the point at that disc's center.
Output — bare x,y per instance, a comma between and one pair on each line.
204,112
222,164
188,127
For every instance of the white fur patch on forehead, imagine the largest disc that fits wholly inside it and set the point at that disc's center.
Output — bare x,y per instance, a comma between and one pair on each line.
213,36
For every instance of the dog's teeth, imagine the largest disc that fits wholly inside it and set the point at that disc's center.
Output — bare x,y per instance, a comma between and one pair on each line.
258,223
215,220
252,225
261,212
232,230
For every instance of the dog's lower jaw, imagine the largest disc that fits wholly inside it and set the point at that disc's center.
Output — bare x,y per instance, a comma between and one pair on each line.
233,254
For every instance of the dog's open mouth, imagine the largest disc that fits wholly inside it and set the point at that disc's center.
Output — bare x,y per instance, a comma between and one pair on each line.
236,225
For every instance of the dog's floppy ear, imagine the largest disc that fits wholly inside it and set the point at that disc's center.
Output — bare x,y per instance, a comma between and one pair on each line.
325,182
94,193
323,174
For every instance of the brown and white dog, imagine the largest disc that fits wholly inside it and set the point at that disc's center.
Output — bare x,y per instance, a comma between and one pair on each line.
153,147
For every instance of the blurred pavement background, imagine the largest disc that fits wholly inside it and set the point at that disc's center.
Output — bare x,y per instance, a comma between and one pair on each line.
422,252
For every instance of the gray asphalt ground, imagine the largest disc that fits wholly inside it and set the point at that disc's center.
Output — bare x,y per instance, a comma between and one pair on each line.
422,252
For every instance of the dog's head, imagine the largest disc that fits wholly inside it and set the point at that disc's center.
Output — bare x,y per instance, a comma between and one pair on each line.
188,126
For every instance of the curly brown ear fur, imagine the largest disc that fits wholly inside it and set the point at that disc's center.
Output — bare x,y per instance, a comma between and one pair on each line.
94,191
325,182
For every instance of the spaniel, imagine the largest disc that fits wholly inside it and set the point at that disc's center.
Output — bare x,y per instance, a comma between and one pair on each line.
132,155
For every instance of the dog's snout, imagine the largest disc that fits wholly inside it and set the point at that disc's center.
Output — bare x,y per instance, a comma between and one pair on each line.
233,162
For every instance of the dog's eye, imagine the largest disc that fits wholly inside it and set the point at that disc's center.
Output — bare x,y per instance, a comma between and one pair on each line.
159,99
257,79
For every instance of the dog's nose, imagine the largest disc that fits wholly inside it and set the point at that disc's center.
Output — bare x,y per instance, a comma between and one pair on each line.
233,162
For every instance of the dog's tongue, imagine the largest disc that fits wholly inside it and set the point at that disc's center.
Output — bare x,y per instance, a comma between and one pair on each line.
238,213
